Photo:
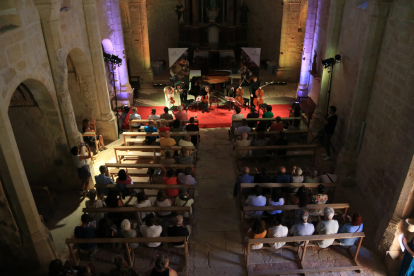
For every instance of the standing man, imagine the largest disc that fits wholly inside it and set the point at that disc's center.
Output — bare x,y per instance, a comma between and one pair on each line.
330,125
254,85
134,116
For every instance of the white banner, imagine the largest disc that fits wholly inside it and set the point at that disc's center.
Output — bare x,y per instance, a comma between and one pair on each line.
174,54
254,54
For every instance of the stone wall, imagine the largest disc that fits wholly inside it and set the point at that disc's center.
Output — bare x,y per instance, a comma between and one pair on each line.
162,28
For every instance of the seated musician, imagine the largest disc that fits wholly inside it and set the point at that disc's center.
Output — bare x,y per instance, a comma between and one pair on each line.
254,85
182,90
232,93
205,93
134,116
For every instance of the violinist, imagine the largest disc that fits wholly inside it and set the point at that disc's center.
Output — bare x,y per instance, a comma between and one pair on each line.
205,93
254,85
169,96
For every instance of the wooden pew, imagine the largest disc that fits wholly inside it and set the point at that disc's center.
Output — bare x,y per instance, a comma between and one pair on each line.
304,150
126,241
146,121
144,134
306,239
286,132
149,186
146,151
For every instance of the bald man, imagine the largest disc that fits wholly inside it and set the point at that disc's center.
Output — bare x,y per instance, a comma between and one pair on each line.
244,178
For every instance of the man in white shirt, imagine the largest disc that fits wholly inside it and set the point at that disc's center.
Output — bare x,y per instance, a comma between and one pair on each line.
186,177
278,231
255,200
153,116
186,141
134,116
149,230
242,143
304,228
327,227
236,116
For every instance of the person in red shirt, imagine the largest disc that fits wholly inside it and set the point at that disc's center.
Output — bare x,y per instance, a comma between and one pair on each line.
170,179
277,125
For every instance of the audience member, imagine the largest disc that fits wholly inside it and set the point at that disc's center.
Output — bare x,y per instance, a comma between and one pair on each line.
244,178
242,143
262,177
178,230
354,225
150,128
277,125
300,199
170,179
261,141
186,141
83,169
122,268
181,115
258,231
281,176
142,202
262,126
168,158
320,198
163,201
255,200
186,177
326,227
296,125
88,127
166,115
281,141
184,158
278,231
252,114
105,232
85,232
237,116
103,179
149,230
134,116
166,141
114,200
192,127
183,200
95,203
313,177
268,113
161,267
303,228
56,268
297,177
276,200
122,181
243,128
177,128
153,116
330,125
163,128
328,176
127,232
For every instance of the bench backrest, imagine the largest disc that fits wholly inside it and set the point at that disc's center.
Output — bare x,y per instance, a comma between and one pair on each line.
136,134
147,186
287,185
267,119
308,238
148,166
288,147
146,121
155,148
295,207
136,209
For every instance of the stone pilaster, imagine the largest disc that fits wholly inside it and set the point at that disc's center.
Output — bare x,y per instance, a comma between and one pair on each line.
187,13
230,13
195,13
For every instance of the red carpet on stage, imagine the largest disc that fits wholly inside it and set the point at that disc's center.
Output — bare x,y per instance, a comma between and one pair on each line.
220,117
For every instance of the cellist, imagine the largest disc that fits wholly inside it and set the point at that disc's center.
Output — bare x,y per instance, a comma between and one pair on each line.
205,92
254,85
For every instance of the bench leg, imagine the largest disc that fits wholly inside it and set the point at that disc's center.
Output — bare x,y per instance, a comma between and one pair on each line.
357,249
248,253
304,251
128,251
186,252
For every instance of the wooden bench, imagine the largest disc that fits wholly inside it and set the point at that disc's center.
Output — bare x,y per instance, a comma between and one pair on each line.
303,150
146,151
146,121
126,241
307,239
307,107
41,194
285,132
149,187
284,119
144,134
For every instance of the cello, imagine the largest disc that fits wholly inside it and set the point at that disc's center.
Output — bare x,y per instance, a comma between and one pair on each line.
259,94
239,101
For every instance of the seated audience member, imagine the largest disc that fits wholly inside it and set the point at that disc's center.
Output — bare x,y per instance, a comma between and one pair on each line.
278,231
170,179
168,158
83,169
161,267
312,177
178,230
153,116
243,128
166,141
262,126
177,128
258,231
181,115
183,200
277,125
303,228
326,227
163,128
300,199
328,176
163,201
186,177
354,225
263,177
261,141
242,143
142,202
297,137
237,116
184,158
103,179
186,141
57,268
134,116
122,182
320,198
255,200
85,232
114,200
276,200
281,141
105,232
252,114
281,176
127,232
244,178
122,268
166,115
150,128
297,177
192,127
149,230
88,127
268,113
93,202
295,111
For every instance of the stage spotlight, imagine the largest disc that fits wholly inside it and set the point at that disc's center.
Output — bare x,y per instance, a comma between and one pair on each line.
338,58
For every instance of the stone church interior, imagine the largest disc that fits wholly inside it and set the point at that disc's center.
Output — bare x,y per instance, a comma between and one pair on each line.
256,110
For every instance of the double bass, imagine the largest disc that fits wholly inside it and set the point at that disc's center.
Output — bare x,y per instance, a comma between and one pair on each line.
239,101
259,94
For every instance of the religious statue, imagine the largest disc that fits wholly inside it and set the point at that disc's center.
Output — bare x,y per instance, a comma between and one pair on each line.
244,9
179,10
314,63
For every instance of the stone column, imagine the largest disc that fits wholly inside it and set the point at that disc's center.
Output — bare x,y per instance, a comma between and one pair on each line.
187,12
195,13
280,74
49,18
139,53
106,124
30,245
307,48
230,12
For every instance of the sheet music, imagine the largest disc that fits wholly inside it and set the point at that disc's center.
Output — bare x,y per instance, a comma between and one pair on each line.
199,99
230,99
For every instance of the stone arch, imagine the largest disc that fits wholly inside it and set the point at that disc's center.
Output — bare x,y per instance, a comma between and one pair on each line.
81,86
